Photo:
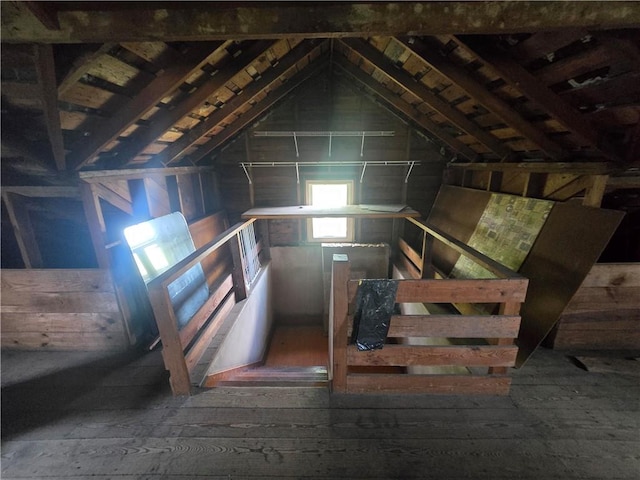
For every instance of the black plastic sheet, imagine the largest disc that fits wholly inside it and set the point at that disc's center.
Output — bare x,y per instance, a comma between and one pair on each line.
375,304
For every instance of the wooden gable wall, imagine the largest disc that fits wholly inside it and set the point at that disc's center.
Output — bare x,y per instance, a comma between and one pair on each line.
329,102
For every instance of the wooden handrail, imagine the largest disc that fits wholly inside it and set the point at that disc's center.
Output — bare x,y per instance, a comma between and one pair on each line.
481,259
163,280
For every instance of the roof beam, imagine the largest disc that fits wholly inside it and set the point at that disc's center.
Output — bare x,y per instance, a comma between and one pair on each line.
47,79
516,75
163,121
259,109
92,22
404,80
429,53
168,81
405,108
99,176
267,81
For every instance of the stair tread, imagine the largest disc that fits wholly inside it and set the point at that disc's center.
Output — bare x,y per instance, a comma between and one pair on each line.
286,375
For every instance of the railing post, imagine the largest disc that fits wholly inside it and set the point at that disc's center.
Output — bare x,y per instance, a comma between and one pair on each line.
338,324
172,352
239,283
427,270
507,308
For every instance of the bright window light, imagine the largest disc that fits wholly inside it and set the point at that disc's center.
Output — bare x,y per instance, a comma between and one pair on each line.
330,194
156,257
141,269
140,234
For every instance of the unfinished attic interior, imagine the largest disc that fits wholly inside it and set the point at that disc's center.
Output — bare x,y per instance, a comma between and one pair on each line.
236,236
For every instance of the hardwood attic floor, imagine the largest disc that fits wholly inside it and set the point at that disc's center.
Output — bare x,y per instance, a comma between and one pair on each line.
115,418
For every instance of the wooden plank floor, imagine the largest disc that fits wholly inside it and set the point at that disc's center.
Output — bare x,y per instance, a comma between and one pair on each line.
116,419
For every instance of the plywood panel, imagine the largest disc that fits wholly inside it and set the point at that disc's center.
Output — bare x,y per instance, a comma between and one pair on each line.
566,249
456,211
202,232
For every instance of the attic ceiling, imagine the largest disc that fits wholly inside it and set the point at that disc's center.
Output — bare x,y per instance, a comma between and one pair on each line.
488,81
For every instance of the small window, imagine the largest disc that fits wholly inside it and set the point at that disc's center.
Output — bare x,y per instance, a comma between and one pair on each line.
330,194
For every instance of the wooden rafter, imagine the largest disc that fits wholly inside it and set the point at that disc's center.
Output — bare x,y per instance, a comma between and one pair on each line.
266,82
170,79
404,108
515,75
404,80
163,121
49,95
198,21
429,53
259,109
82,66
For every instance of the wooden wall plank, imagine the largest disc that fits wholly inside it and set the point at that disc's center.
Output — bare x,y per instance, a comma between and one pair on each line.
61,322
55,280
613,275
70,302
82,341
61,309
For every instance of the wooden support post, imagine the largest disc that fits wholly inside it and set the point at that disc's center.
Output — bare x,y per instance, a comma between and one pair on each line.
593,195
495,181
172,350
23,230
534,184
239,284
95,220
428,270
507,308
338,322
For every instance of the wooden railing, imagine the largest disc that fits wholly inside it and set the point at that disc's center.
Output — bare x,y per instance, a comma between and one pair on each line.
487,352
183,347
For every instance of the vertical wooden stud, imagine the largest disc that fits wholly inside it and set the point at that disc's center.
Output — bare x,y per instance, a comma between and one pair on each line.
95,221
593,195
